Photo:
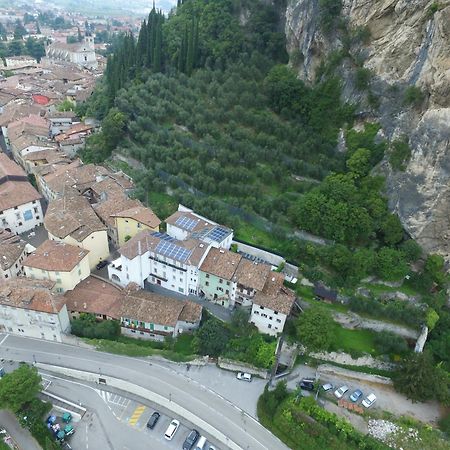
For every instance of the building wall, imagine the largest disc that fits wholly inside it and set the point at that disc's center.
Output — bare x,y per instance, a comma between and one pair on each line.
25,322
71,150
15,270
96,243
177,233
217,290
60,125
129,227
65,281
23,217
186,327
266,320
155,269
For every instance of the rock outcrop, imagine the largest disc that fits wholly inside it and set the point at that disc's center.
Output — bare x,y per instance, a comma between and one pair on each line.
408,45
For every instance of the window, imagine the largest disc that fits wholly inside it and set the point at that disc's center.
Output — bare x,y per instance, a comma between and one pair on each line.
181,290
279,320
220,289
139,225
181,280
227,292
257,313
270,317
58,280
263,315
207,283
269,326
207,275
275,312
261,307
228,283
220,280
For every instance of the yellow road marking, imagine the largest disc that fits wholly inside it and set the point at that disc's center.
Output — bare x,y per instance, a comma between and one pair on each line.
136,415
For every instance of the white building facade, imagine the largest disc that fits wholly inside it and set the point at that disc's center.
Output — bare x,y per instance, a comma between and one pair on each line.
22,218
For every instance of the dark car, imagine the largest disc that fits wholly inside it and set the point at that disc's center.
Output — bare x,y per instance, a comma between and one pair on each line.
191,439
102,264
153,420
306,384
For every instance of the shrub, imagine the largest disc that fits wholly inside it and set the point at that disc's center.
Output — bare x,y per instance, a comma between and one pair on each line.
362,78
87,326
412,250
413,96
387,342
400,154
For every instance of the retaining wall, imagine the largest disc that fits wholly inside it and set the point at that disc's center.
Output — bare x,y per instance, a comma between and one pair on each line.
237,366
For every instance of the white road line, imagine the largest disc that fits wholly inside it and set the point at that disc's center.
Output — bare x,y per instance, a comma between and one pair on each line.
4,339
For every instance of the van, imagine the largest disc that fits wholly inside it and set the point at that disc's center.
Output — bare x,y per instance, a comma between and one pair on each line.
201,443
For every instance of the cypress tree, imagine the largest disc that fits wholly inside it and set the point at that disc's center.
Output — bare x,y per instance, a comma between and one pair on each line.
190,51
157,50
196,62
141,51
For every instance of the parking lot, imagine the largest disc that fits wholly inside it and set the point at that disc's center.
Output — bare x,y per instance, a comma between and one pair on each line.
136,415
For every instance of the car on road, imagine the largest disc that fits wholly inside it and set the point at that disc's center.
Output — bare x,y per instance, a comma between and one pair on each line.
307,384
244,376
102,264
201,443
190,440
339,393
327,387
153,420
171,429
369,400
356,395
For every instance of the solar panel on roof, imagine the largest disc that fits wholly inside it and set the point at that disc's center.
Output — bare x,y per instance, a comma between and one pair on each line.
172,251
163,236
186,222
217,234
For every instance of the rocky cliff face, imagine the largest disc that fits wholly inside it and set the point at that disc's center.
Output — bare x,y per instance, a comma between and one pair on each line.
408,43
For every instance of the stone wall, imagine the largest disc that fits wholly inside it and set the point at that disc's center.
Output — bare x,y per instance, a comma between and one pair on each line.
237,366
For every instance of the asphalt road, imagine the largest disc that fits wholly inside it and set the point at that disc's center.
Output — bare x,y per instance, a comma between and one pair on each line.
200,400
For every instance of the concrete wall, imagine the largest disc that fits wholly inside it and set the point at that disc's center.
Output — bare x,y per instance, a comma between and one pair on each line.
271,258
237,366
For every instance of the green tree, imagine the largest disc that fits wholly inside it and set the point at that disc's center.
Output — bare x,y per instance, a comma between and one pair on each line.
113,128
359,162
18,387
212,338
420,380
412,250
392,230
316,329
434,266
391,264
66,105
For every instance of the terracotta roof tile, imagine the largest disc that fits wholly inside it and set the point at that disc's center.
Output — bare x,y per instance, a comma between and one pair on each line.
55,256
74,216
252,275
221,263
140,214
95,296
11,248
31,294
275,295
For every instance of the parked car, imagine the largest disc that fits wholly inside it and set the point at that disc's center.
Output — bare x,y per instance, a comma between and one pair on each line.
369,400
244,376
356,395
307,384
190,440
327,387
102,264
153,420
339,393
171,429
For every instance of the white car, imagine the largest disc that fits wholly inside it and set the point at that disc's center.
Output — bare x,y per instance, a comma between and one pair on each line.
171,429
339,393
369,400
327,386
244,376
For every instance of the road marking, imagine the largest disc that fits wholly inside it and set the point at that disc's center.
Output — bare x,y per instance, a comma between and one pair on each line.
4,339
137,415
